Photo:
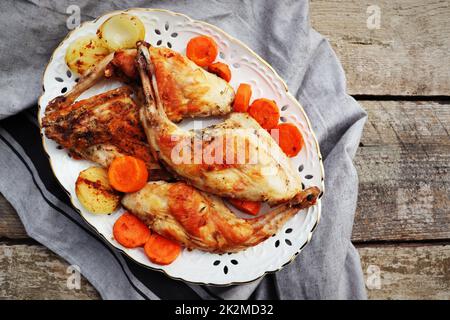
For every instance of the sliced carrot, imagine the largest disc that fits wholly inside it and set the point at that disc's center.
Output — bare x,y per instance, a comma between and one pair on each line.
127,174
161,250
290,139
221,70
202,50
265,112
130,232
242,98
250,207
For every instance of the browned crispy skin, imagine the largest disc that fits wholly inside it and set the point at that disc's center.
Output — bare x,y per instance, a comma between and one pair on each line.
124,60
198,220
100,128
106,125
186,89
270,177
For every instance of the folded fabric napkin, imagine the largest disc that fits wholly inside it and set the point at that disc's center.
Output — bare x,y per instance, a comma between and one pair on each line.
279,31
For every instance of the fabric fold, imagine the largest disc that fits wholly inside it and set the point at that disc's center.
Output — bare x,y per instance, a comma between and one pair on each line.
279,31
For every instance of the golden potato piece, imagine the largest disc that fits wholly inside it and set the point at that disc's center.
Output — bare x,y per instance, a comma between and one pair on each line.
94,192
84,53
121,31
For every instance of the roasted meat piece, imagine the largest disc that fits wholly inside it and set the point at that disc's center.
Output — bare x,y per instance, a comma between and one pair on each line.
258,170
198,220
107,125
101,128
186,89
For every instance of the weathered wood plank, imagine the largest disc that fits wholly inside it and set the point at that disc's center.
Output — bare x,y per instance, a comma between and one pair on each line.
404,172
34,272
412,272
410,124
10,225
407,55
391,272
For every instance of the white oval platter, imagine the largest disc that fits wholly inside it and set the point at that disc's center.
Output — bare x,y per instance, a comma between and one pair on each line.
165,28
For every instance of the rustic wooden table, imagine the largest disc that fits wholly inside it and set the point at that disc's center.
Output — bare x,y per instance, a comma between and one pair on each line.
400,73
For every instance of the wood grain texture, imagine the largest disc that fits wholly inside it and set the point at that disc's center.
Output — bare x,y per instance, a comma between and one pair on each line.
407,272
10,225
391,272
410,124
404,172
407,55
33,272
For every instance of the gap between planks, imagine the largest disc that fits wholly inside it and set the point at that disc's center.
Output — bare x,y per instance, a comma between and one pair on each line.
390,272
404,172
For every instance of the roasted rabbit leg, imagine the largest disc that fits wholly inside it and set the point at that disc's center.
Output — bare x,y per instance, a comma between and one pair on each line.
62,105
258,170
198,220
101,128
106,126
186,90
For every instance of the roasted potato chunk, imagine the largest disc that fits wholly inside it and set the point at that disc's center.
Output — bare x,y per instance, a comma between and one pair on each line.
94,191
84,53
121,31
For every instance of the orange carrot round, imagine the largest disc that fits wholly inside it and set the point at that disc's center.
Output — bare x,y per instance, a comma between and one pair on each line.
127,174
202,50
242,98
250,207
221,70
130,232
290,139
161,250
265,112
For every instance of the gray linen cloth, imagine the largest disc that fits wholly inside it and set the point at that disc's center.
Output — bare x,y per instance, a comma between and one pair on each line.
279,31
